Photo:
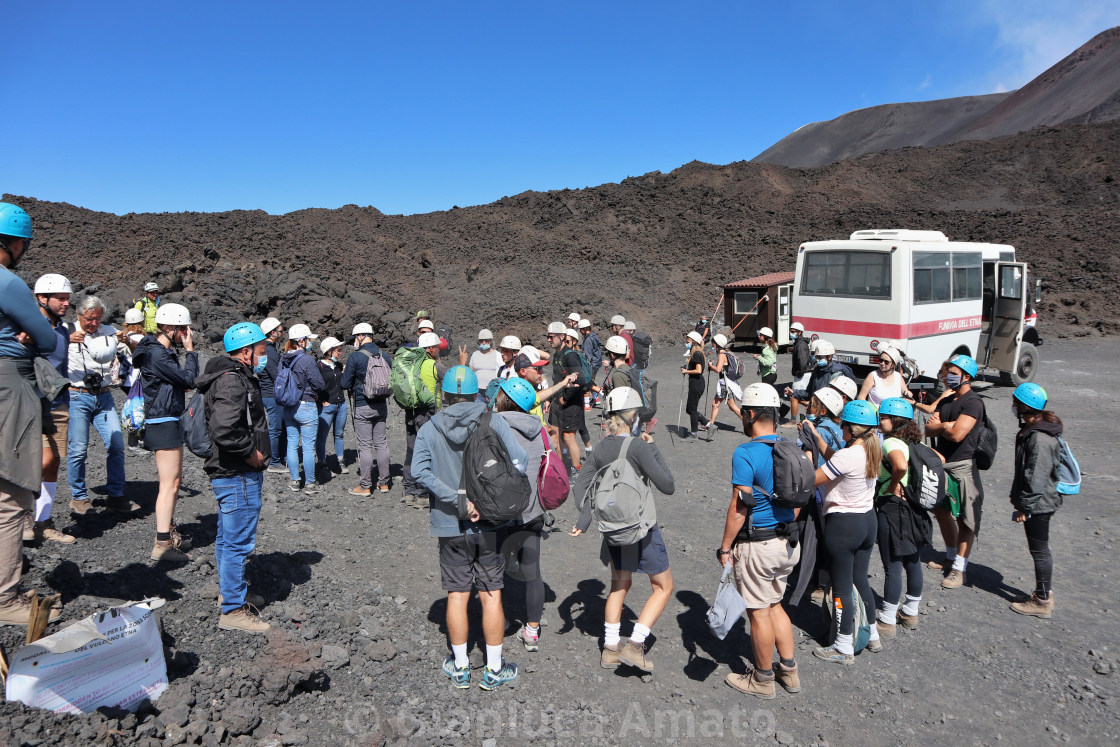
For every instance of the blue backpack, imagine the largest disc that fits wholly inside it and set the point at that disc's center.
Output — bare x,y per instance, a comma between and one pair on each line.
287,389
1069,471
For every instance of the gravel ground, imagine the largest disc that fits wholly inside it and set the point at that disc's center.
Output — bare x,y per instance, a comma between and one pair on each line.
353,595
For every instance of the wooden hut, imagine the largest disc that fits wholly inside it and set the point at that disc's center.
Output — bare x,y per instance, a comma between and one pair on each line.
775,310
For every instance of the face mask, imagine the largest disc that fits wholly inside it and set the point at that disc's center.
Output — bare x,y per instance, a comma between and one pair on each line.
484,346
952,380
688,346
262,361
794,335
822,362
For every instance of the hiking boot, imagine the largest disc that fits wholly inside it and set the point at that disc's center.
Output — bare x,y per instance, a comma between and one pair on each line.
460,676
312,489
293,485
492,679
277,469
28,527
18,611
609,658
166,550
830,654
81,507
363,492
887,631
954,580
529,637
44,530
256,600
875,646
747,683
244,619
1035,607
634,654
910,622
178,540
943,564
787,678
118,504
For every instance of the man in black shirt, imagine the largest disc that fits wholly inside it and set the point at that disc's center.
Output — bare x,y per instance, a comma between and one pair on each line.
956,426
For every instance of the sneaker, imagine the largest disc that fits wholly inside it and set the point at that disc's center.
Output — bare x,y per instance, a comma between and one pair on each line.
44,530
343,469
875,646
609,658
954,580
28,527
416,501
787,678
359,490
830,654
529,638
634,654
312,489
460,676
492,679
384,487
244,619
18,611
166,550
746,683
81,507
649,426
256,600
910,622
277,469
118,504
293,485
1035,607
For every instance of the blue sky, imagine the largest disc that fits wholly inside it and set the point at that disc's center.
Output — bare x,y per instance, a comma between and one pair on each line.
414,107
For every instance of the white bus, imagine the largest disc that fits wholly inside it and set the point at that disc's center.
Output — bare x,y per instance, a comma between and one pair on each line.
930,297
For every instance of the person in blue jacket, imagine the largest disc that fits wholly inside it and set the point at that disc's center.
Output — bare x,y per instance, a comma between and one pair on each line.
825,369
301,420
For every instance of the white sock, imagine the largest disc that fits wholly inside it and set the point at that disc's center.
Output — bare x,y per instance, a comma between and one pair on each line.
844,644
910,606
611,633
888,615
494,657
960,563
641,632
874,632
460,652
533,630
45,501
950,554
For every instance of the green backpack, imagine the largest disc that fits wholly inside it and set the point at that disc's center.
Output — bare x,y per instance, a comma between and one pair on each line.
405,383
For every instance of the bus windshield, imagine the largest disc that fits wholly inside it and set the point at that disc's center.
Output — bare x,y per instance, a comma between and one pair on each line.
847,274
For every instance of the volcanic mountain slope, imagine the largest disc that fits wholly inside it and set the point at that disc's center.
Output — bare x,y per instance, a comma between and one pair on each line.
1084,87
655,248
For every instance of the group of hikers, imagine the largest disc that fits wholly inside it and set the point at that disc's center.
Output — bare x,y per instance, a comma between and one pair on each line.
498,441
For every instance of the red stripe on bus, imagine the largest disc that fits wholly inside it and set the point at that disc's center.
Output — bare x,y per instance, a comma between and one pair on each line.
881,330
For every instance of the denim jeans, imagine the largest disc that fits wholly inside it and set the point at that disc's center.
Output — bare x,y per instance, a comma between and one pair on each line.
275,427
239,508
301,423
331,418
100,412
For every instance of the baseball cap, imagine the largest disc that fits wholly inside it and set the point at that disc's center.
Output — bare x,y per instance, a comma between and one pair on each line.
529,357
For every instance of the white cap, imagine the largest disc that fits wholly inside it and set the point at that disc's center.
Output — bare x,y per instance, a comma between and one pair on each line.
425,324
618,319
584,323
556,328
509,342
824,347
623,398
174,314
574,318
572,333
269,324
831,399
695,337
52,283
485,334
760,395
361,328
329,344
300,332
797,326
629,327
720,340
766,332
617,345
428,340
534,355
845,386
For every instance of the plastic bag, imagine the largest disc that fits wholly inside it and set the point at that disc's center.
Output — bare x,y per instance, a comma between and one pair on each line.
728,607
132,413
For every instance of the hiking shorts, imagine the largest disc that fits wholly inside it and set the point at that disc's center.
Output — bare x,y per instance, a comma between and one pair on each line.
972,492
568,418
648,555
761,570
56,441
471,561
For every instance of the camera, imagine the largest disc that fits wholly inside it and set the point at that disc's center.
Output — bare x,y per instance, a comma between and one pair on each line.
92,380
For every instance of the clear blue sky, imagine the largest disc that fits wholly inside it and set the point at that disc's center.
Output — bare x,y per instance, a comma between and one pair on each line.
412,107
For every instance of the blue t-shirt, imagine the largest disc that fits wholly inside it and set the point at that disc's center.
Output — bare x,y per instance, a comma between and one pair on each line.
753,464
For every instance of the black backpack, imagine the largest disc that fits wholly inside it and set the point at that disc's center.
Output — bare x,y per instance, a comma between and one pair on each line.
793,475
924,488
193,425
643,344
647,388
986,444
499,491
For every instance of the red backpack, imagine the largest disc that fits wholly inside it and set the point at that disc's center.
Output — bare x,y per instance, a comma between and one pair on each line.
552,482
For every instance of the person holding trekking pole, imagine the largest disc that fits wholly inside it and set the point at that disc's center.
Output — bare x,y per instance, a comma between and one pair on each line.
695,372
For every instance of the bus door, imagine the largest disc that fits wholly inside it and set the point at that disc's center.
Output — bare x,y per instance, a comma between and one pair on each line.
785,298
1007,316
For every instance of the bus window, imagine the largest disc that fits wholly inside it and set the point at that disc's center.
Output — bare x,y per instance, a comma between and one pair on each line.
847,274
931,277
967,276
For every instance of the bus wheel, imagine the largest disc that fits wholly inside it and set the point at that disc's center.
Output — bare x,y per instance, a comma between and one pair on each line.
1025,370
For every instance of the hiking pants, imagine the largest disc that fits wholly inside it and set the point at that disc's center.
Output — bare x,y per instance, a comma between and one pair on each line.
413,421
1037,527
369,426
15,502
895,565
849,539
695,392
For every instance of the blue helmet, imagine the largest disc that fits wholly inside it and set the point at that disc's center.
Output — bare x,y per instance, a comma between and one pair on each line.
898,407
14,221
1031,395
965,363
520,391
242,335
460,380
859,412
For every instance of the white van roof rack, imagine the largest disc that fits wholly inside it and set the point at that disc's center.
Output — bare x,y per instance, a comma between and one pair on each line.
897,234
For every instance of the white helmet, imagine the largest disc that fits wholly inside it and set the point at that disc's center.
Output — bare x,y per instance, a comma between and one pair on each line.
824,347
150,286
485,334
720,340
617,345
760,395
574,318
102,348
845,386
269,324
623,398
584,323
618,319
425,324
891,352
329,344
52,283
831,399
556,328
362,328
428,340
797,327
572,334
695,337
813,346
134,316
173,314
766,332
629,327
509,342
301,332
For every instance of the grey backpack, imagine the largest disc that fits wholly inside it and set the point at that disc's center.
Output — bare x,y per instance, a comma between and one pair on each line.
621,501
